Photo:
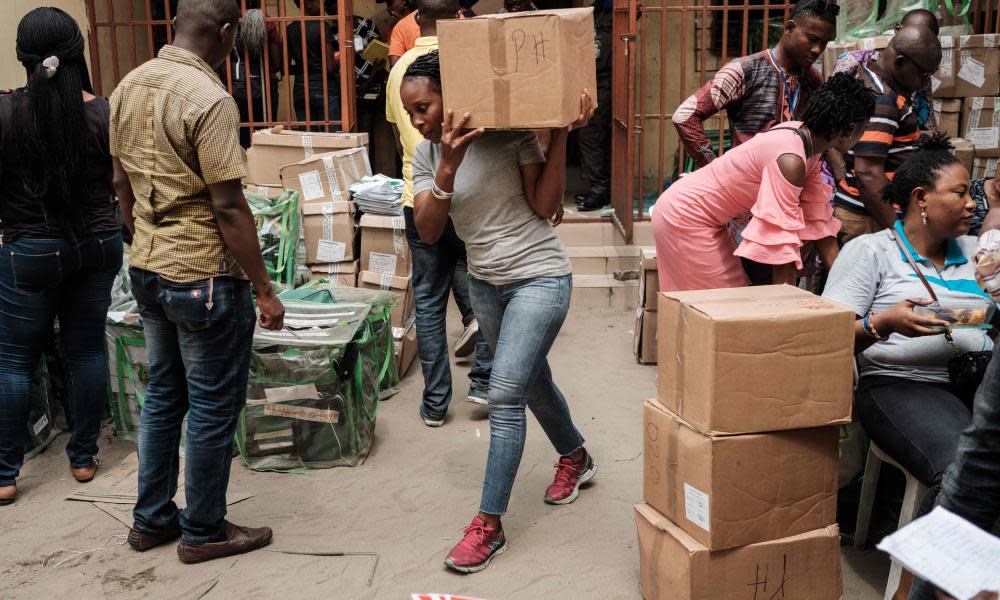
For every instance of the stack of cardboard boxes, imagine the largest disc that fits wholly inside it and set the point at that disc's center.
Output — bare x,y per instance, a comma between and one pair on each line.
645,313
741,446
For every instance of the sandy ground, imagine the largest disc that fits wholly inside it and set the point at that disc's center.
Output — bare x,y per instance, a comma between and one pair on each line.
407,503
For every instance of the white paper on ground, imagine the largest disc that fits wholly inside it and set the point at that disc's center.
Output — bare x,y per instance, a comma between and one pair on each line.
948,551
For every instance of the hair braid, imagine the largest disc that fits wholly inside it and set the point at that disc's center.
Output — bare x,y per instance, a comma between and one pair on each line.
838,106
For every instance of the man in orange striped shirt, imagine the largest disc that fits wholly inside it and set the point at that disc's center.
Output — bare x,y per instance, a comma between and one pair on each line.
891,135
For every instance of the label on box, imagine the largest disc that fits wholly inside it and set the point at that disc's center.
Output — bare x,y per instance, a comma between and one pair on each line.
331,175
972,71
382,263
399,235
330,252
696,506
385,282
868,44
303,413
990,40
261,190
398,332
40,425
947,62
312,186
985,137
307,145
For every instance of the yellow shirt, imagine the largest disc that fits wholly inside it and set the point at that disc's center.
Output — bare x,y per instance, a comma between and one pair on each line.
175,130
395,113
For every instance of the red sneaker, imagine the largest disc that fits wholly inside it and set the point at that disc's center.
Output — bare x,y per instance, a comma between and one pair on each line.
569,477
480,544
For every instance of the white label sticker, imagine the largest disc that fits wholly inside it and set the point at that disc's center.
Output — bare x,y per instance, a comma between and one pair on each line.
330,252
696,506
307,145
990,40
398,332
972,71
985,137
303,413
292,392
261,190
868,44
312,186
275,445
359,44
947,63
386,281
40,425
382,263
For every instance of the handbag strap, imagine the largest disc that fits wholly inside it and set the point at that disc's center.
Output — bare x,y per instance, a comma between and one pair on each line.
806,142
923,280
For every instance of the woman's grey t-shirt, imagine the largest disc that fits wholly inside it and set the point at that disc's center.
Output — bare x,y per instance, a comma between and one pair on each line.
504,239
871,274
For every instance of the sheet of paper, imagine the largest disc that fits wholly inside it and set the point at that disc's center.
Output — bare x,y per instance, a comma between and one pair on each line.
948,551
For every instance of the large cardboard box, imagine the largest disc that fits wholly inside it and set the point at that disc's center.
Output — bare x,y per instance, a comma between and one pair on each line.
402,287
673,566
649,280
329,232
746,360
521,70
948,113
384,247
644,343
266,191
342,273
327,177
274,148
964,151
735,490
984,168
981,118
970,66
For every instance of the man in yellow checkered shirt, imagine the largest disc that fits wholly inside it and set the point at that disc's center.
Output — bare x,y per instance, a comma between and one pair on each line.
178,165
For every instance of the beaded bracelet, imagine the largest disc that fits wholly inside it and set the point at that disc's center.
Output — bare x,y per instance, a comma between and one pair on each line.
867,327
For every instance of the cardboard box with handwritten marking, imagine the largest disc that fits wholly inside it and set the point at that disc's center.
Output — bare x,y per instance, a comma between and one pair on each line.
674,566
274,148
755,359
735,490
522,70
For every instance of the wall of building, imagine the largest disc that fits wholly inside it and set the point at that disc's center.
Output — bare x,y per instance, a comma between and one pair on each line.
11,72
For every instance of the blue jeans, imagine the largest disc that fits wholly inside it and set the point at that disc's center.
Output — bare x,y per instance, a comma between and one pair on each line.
318,105
971,485
521,321
199,338
437,270
41,280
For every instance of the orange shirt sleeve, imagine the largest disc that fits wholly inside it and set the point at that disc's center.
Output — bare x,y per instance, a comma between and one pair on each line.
404,35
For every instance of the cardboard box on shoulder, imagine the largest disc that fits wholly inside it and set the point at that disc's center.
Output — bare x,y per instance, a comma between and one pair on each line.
329,232
964,151
521,70
402,287
341,273
981,118
327,177
747,360
948,114
970,66
405,347
735,490
384,247
644,342
674,566
984,168
274,148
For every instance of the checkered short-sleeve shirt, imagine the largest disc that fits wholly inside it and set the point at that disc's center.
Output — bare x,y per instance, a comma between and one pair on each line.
175,130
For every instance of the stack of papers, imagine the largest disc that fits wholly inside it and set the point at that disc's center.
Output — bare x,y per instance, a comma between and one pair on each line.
379,195
949,552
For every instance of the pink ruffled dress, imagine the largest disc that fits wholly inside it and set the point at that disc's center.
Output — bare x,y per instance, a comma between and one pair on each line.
694,248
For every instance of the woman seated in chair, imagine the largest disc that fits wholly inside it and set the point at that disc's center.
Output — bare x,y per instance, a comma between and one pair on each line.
905,400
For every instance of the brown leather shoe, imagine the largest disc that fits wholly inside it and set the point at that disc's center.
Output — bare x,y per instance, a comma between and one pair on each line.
86,473
8,495
238,540
142,541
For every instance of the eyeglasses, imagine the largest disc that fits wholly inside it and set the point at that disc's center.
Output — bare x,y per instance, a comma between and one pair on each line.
925,73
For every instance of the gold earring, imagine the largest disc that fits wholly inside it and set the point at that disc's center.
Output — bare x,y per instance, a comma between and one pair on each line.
923,216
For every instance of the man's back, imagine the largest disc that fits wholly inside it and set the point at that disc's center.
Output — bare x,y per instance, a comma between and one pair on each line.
175,130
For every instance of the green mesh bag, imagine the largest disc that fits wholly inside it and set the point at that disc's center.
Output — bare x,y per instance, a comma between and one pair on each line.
279,231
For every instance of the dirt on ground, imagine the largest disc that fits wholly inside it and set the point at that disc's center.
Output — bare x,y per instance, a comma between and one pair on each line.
407,504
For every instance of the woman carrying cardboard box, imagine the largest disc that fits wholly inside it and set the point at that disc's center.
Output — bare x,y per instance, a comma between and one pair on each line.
501,194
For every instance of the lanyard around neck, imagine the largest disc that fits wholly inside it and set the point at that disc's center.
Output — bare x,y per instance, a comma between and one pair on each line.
791,100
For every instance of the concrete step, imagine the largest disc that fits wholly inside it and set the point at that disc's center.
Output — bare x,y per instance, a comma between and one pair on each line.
604,291
588,234
602,260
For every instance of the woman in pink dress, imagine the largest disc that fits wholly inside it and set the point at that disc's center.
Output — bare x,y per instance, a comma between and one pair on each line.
775,176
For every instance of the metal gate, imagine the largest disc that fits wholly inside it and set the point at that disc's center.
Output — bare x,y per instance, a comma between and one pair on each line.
664,51
126,33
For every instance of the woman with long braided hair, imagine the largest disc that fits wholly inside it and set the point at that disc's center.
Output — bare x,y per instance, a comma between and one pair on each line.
62,245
